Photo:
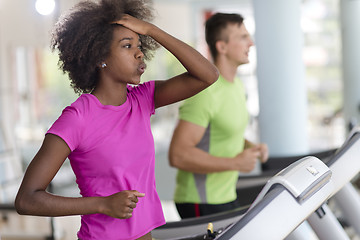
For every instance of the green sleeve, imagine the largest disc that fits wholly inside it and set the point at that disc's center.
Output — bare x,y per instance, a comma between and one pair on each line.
197,109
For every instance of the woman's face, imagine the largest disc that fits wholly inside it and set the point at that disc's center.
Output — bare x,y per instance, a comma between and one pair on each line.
125,62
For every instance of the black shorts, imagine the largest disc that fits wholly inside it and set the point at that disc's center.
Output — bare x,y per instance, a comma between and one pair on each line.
189,210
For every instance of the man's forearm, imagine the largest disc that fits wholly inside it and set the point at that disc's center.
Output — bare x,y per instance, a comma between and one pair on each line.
198,161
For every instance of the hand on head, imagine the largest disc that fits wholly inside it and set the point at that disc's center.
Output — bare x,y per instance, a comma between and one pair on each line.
135,24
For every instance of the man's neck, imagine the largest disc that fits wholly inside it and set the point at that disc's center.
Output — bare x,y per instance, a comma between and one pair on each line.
227,70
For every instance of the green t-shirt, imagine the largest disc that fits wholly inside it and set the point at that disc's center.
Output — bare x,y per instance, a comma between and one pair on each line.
221,109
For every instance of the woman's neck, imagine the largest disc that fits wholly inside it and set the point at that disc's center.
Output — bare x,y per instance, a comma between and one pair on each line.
111,95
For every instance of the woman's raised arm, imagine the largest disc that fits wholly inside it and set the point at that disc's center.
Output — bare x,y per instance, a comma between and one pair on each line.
200,72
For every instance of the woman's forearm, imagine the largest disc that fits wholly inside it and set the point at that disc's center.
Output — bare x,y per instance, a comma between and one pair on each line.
192,60
42,203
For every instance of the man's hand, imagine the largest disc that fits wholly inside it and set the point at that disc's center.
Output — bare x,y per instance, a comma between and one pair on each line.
264,152
246,160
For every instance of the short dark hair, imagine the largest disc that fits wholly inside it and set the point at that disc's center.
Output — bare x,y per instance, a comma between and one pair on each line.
214,27
83,37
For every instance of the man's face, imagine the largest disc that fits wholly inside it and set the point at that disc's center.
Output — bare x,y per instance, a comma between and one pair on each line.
238,44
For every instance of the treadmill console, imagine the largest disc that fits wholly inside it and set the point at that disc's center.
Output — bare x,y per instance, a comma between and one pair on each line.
302,179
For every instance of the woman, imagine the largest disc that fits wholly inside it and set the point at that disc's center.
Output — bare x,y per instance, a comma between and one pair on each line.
106,132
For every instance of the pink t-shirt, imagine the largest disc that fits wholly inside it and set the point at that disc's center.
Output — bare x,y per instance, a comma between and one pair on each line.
112,149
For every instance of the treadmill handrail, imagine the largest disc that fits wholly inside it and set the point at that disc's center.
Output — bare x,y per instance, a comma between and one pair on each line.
318,173
276,163
351,140
205,219
251,213
275,190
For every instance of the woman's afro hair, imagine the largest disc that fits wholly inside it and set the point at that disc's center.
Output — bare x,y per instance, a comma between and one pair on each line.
83,37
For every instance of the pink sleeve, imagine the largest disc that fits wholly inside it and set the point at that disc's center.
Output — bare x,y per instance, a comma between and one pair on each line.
145,94
68,127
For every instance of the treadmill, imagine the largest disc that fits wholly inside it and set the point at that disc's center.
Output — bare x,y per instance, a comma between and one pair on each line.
344,166
248,187
293,194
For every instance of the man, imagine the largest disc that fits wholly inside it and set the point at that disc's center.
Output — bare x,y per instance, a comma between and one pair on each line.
208,145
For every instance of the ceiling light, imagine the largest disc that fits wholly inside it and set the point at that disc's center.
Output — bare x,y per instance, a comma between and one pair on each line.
45,7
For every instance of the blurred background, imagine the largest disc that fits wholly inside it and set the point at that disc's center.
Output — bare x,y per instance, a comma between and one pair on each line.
301,78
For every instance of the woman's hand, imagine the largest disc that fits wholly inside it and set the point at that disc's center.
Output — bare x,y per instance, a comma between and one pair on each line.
121,204
135,24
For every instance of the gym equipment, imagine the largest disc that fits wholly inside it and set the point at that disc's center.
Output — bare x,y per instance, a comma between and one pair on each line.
249,186
294,193
345,166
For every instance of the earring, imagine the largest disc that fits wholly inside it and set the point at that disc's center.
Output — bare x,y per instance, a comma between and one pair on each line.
103,65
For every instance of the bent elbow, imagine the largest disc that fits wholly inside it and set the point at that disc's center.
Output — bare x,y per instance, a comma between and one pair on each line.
174,160
215,74
171,161
20,205
212,75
